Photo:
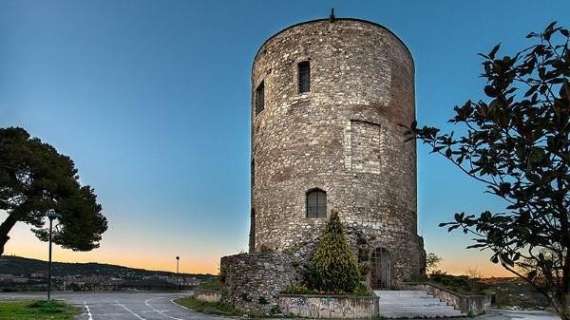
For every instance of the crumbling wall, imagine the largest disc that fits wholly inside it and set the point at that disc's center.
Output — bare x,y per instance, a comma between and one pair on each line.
253,282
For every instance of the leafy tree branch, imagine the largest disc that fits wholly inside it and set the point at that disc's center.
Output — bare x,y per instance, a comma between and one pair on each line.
516,142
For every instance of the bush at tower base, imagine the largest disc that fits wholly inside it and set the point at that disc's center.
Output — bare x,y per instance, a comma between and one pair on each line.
333,268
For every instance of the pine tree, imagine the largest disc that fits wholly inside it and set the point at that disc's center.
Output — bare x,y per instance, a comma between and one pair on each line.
35,179
333,266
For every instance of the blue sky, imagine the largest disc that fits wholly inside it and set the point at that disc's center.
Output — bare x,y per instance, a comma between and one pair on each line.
151,100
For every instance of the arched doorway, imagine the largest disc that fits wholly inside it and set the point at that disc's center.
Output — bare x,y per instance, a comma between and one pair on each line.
381,269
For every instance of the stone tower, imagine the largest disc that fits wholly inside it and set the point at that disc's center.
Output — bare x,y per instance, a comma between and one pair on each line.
329,97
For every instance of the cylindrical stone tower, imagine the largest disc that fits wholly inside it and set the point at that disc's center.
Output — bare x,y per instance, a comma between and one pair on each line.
329,98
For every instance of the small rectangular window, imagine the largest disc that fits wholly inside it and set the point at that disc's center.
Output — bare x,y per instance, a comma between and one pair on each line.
260,98
304,76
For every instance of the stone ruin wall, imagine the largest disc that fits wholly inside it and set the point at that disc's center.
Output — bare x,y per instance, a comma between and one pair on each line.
253,282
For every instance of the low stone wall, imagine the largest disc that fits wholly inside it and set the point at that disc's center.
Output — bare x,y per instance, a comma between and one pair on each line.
207,295
253,282
467,304
329,307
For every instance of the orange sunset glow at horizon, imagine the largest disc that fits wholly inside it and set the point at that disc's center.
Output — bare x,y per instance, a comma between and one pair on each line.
158,258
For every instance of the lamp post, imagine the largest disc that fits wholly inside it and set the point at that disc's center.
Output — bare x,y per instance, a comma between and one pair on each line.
51,216
177,270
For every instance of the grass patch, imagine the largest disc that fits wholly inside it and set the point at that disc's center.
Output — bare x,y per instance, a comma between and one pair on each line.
459,284
513,292
36,310
216,308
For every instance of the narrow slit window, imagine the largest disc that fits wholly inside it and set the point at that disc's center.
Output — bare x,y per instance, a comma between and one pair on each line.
260,98
252,231
252,172
304,76
316,204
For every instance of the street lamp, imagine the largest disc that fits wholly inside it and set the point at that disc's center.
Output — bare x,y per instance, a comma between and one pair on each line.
177,269
51,216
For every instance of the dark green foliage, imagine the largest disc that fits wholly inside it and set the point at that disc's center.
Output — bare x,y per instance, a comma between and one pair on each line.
432,262
333,267
18,265
461,284
275,310
34,179
417,278
362,291
517,143
262,300
514,292
299,289
245,297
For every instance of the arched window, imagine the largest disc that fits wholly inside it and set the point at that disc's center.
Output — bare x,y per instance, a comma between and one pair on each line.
316,203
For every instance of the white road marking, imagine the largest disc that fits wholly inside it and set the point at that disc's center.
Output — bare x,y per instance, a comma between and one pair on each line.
88,311
147,303
129,311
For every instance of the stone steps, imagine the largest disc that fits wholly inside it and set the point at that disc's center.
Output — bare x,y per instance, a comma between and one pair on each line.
413,304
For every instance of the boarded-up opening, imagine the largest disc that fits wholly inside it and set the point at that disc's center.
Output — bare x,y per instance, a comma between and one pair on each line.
365,147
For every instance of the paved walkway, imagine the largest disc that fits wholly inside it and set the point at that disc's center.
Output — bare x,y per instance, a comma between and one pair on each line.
499,314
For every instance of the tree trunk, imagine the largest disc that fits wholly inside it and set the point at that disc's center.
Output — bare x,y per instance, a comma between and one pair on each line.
564,309
565,295
5,228
561,303
564,287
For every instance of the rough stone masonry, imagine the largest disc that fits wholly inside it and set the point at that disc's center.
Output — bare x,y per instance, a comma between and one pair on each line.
330,98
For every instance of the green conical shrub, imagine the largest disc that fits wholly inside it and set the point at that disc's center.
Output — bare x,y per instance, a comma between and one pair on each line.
333,267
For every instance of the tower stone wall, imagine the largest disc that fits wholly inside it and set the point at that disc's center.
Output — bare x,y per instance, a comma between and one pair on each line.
344,137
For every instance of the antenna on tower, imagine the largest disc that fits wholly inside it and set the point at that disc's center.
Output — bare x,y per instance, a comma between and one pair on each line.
332,17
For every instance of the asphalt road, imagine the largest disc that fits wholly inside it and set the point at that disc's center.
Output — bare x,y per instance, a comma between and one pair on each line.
159,306
123,306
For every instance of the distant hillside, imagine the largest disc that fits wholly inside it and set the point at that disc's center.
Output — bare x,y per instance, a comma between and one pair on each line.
25,266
